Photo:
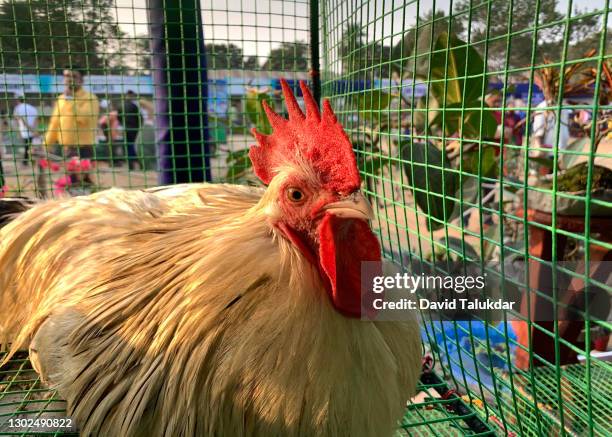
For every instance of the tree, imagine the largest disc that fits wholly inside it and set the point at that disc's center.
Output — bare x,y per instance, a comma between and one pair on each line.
352,48
251,63
367,58
41,36
523,17
584,32
38,36
414,48
137,59
290,56
111,42
223,56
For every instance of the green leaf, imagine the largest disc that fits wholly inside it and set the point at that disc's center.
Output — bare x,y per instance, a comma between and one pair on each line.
371,102
373,165
430,182
491,233
472,121
238,164
489,162
455,244
255,112
469,190
545,162
468,120
459,67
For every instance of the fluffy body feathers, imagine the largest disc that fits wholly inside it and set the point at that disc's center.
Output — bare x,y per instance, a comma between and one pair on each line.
213,310
176,323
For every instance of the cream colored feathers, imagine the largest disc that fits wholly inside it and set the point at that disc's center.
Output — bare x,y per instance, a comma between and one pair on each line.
181,312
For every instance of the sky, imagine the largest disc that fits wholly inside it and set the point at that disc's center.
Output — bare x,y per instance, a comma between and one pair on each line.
259,25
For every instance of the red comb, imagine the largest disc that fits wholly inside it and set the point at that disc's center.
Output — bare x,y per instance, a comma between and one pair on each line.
318,137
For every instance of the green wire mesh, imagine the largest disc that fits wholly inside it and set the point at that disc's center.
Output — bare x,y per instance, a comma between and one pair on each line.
421,87
24,399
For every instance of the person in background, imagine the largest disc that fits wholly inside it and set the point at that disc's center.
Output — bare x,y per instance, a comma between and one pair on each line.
494,100
111,128
26,117
148,110
545,127
521,119
544,133
74,121
131,119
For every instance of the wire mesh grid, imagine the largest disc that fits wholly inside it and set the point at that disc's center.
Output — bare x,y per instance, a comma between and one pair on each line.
465,117
482,130
249,46
24,399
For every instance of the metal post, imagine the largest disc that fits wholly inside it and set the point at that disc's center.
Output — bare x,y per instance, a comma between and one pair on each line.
180,82
314,51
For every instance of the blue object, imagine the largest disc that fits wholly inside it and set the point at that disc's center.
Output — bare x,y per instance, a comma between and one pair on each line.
453,338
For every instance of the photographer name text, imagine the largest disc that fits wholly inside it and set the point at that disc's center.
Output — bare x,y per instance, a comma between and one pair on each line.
446,304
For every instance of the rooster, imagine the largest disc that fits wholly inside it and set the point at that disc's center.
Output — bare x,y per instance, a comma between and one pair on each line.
213,309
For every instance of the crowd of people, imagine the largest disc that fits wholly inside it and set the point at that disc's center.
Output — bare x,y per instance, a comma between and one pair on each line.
78,122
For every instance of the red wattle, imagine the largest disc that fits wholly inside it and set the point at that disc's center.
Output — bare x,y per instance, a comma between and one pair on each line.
344,243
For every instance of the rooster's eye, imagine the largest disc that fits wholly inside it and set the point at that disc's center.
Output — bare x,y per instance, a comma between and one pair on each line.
295,195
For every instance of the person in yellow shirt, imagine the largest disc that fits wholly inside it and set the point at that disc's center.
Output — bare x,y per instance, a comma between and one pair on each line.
74,121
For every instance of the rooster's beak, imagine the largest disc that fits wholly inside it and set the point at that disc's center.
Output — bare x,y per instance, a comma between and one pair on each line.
353,206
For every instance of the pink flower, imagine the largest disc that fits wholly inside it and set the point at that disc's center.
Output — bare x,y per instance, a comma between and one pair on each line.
76,165
45,164
73,165
86,165
61,184
63,181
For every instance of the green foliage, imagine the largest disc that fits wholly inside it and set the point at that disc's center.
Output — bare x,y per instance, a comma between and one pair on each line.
290,56
370,103
224,56
487,157
238,162
576,179
457,71
416,44
254,111
457,81
411,54
454,249
238,165
358,54
584,34
465,122
39,36
431,185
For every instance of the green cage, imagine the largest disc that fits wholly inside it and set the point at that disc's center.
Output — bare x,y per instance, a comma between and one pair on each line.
483,133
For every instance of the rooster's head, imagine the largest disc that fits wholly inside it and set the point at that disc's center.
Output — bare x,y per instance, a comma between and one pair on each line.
314,196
